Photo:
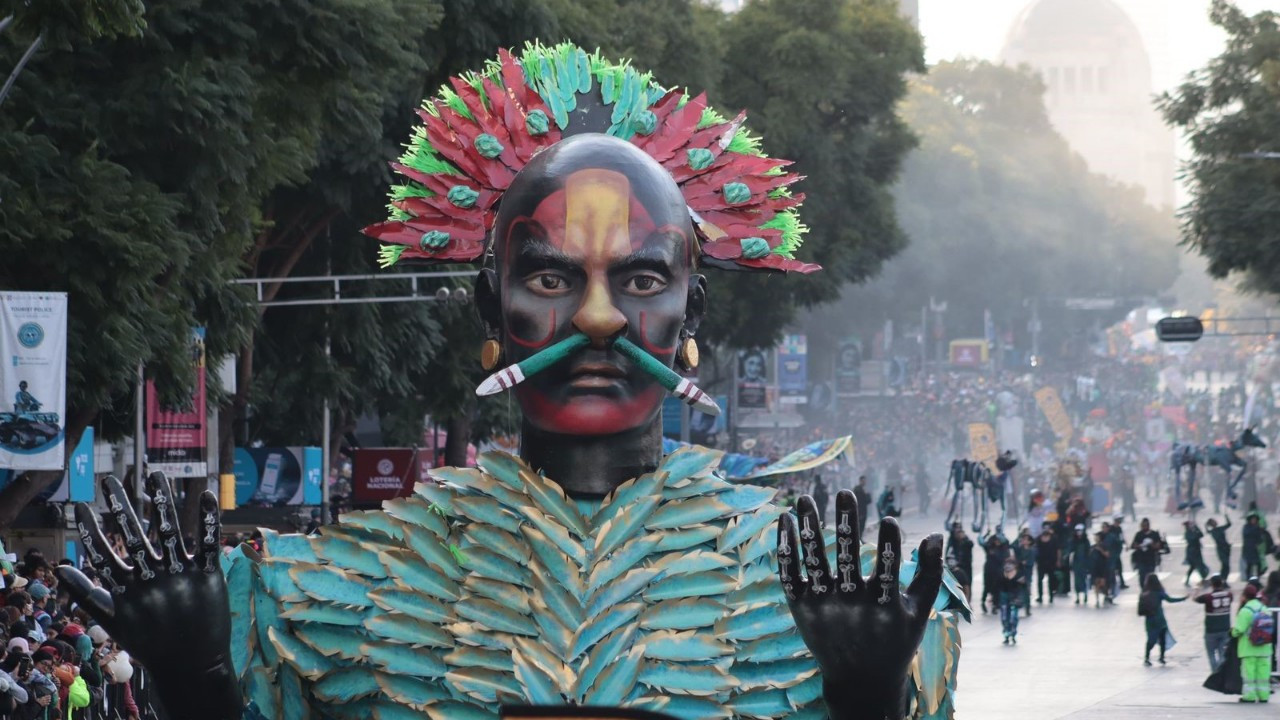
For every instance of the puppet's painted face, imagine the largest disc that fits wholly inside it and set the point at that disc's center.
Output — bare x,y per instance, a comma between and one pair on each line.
593,237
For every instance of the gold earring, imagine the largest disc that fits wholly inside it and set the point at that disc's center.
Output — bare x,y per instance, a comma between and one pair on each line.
490,354
689,354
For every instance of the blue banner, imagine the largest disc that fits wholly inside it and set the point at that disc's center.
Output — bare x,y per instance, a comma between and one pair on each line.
312,467
80,471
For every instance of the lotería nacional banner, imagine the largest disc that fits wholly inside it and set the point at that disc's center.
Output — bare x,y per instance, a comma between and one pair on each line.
813,455
33,380
982,444
177,438
1051,405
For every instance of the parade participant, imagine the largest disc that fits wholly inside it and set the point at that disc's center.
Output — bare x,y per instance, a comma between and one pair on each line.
960,551
1221,544
1100,570
1010,588
1026,554
1079,549
1252,542
1047,564
1115,546
1217,620
1146,551
1194,559
863,496
1151,606
820,496
591,570
997,551
1036,512
1256,630
887,505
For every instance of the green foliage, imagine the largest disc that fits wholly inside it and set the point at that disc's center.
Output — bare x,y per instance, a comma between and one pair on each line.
820,81
1228,109
1000,210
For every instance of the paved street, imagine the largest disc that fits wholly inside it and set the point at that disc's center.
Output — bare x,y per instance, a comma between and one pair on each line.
1080,662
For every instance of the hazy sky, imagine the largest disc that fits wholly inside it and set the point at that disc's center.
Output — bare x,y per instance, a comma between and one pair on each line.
1177,33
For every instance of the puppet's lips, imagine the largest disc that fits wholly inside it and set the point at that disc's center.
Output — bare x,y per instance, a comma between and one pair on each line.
595,375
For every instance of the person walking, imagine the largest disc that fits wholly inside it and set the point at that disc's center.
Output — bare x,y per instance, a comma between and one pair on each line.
1010,585
1100,569
1256,630
923,491
1026,555
1047,560
1079,551
1217,620
863,496
1145,557
820,497
1251,544
960,551
1194,559
1222,545
1115,546
1151,606
997,550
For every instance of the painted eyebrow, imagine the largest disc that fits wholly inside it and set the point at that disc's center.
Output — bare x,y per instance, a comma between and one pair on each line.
538,254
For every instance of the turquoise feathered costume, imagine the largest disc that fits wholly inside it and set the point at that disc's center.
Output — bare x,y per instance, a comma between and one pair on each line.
493,586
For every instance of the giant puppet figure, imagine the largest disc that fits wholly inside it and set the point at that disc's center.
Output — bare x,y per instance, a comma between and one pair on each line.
590,570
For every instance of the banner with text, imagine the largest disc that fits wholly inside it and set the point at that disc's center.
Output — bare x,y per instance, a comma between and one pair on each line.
33,350
982,444
793,370
277,476
1051,405
754,379
177,438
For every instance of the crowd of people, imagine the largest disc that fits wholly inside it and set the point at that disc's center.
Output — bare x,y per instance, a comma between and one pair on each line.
55,663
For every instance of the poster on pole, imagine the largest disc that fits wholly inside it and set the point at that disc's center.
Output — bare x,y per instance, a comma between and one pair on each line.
849,368
754,379
793,375
1056,415
33,380
177,438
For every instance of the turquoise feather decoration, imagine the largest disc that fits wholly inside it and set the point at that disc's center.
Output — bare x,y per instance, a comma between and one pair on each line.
674,540
711,583
753,623
558,535
489,564
616,682
592,632
690,646
745,527
346,685
783,646
783,673
239,577
625,558
761,591
693,562
347,553
494,616
370,521
627,585
409,630
485,685
405,660
274,578
332,641
687,706
499,541
292,704
623,526
413,511
487,511
306,661
681,614
287,547
806,692
556,599
319,612
620,501
468,656
321,582
509,596
685,679
413,604
266,615
762,703
683,513
617,643
412,572
459,711
411,691
432,550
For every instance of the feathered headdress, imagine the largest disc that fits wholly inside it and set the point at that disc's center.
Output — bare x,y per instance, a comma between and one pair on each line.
482,129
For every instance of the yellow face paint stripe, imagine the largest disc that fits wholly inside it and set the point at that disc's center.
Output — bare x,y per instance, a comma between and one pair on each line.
597,221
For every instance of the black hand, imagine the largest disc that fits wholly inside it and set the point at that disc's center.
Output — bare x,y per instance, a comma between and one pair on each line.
167,608
862,632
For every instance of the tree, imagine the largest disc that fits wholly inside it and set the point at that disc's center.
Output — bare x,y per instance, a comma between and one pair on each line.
1000,210
1229,111
141,165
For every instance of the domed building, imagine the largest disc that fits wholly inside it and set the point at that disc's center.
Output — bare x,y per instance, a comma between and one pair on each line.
1094,63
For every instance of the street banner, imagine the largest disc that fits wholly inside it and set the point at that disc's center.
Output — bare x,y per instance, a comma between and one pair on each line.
982,444
1051,405
754,378
968,352
793,375
849,368
78,482
177,438
379,474
277,476
815,454
33,375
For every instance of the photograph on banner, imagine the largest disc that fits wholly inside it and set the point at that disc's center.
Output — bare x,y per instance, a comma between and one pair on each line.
849,367
33,376
793,375
982,444
177,437
277,476
754,378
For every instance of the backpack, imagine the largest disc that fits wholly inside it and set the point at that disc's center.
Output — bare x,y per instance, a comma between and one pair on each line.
1262,631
